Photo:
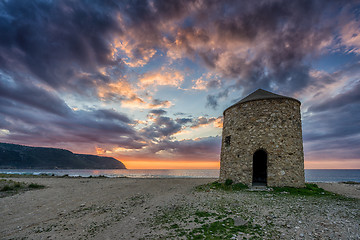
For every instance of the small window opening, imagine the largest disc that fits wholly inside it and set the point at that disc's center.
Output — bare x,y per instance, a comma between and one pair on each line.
227,141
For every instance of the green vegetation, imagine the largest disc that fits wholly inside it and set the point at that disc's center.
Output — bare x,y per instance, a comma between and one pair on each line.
310,189
217,223
227,186
36,186
351,182
10,187
224,229
228,182
232,211
227,215
203,214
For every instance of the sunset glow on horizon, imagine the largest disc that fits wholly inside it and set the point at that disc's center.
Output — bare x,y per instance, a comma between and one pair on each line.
146,82
154,164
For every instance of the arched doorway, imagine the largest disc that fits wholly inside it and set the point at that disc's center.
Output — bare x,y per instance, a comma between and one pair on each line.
259,168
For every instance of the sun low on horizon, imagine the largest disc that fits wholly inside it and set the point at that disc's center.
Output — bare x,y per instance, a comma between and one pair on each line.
146,82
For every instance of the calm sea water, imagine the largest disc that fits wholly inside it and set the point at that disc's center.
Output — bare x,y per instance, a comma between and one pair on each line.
311,175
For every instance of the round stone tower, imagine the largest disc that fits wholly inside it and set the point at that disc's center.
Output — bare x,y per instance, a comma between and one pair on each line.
262,141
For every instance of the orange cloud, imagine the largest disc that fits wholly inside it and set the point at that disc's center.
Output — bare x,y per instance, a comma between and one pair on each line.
136,102
162,78
199,84
143,55
208,80
218,123
128,96
120,88
99,150
203,121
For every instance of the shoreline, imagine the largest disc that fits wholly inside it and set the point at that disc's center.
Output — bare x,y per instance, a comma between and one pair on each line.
140,208
50,175
164,173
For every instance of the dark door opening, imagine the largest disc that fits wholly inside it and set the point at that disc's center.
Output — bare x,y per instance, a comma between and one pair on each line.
260,168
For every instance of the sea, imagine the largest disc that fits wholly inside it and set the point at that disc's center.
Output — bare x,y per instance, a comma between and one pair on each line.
311,175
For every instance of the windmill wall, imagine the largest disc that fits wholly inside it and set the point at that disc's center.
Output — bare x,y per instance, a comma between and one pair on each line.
271,125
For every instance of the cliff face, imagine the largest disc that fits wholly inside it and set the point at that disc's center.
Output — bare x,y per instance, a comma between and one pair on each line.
18,156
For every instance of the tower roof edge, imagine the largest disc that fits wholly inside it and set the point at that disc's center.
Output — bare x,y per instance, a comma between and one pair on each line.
260,94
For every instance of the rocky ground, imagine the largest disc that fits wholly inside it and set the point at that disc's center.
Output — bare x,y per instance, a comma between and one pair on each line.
124,208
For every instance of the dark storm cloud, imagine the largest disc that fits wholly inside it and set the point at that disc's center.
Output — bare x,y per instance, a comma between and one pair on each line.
338,123
159,103
212,100
163,127
333,134
331,122
213,84
58,41
279,41
29,124
158,112
111,115
54,41
43,35
38,115
343,99
32,96
63,44
183,121
276,35
347,148
179,114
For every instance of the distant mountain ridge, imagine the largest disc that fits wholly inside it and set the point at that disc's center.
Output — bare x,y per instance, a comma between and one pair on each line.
15,156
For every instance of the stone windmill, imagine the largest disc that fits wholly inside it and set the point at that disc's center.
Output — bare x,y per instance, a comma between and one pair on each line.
262,141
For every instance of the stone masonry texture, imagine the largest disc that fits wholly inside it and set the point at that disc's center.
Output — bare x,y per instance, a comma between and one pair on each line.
272,125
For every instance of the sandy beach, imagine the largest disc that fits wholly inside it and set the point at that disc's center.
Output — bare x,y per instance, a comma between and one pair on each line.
125,208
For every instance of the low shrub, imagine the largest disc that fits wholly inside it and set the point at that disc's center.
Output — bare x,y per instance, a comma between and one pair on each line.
35,186
10,187
7,188
228,182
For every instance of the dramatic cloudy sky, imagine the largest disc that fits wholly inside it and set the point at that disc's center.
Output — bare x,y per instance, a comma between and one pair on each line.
147,81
